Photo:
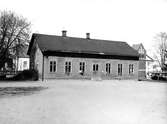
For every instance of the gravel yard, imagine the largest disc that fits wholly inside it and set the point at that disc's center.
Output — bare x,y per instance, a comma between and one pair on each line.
83,102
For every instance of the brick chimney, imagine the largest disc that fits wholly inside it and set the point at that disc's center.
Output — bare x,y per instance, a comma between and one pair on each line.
64,33
87,35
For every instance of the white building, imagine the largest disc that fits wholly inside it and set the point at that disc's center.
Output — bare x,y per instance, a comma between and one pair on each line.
22,61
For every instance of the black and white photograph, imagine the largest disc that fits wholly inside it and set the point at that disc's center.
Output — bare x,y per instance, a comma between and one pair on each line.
83,61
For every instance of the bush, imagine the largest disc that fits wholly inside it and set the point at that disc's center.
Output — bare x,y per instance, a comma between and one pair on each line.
2,77
162,78
154,77
26,75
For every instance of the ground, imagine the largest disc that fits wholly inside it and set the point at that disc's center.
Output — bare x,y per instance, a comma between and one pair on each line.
83,102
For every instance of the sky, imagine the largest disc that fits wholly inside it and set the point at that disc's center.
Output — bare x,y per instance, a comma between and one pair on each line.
133,21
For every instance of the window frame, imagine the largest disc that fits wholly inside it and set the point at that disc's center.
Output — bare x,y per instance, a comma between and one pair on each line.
81,68
52,66
68,67
95,68
120,70
25,64
131,69
108,68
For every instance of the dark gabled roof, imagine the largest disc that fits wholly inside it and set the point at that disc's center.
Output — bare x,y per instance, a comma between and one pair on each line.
82,45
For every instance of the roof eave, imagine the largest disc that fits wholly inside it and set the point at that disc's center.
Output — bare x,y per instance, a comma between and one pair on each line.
87,52
89,55
31,44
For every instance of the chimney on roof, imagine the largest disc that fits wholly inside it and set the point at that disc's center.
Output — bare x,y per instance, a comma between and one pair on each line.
64,33
87,35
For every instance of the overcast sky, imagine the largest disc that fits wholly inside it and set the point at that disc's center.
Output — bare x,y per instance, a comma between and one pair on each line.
133,21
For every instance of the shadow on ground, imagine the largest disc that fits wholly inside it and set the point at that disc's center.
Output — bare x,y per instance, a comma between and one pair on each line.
19,91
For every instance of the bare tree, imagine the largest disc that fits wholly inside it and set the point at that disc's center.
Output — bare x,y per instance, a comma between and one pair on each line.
14,33
161,50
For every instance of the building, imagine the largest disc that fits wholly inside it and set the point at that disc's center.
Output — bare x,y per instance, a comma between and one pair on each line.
144,61
71,57
23,60
17,61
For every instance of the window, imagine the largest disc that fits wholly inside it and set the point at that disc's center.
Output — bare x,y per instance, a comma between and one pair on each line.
141,56
141,50
95,68
130,68
108,68
120,69
24,64
82,68
67,68
52,66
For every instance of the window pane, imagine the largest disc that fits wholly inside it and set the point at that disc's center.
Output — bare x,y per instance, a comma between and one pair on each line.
70,67
119,69
54,66
130,68
82,67
50,66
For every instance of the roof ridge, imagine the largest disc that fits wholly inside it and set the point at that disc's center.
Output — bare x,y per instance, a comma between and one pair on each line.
78,37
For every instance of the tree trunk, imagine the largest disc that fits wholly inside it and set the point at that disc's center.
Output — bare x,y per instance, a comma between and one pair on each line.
3,59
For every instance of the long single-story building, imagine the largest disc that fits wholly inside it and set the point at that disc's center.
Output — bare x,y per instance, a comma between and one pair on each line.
71,57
